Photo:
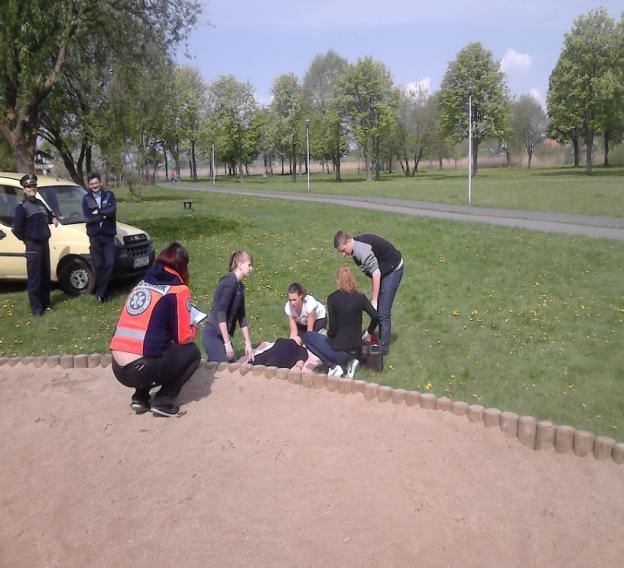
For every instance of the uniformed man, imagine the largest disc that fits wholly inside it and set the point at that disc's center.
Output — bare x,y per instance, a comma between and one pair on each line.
382,263
30,225
100,207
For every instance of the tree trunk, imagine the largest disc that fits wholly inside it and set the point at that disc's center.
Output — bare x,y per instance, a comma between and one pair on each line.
589,143
575,146
88,157
606,150
530,155
417,158
337,168
440,163
193,160
294,162
475,150
164,149
22,147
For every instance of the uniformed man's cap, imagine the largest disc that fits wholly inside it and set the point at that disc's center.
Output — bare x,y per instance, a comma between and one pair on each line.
28,180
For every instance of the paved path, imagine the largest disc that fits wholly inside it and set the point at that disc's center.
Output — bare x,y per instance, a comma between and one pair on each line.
603,227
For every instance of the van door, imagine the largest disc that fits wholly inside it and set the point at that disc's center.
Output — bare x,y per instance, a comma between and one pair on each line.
12,250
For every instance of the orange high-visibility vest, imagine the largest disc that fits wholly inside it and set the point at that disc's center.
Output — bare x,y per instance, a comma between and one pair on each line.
137,312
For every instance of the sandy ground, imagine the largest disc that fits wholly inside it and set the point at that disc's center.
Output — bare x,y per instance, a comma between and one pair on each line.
260,472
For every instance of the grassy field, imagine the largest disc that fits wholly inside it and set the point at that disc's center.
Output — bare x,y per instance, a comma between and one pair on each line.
565,190
519,320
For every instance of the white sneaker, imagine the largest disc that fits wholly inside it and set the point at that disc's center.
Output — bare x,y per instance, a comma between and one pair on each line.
352,367
336,371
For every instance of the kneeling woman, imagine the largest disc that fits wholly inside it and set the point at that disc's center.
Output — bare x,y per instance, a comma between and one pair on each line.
153,342
339,349
228,308
304,311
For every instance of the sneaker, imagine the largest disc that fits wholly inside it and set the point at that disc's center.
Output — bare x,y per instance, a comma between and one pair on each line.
336,371
167,410
140,406
352,367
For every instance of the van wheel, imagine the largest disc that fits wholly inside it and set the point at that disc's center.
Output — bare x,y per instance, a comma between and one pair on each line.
77,277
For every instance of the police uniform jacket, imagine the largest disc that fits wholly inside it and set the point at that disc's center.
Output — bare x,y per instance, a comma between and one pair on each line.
100,220
31,220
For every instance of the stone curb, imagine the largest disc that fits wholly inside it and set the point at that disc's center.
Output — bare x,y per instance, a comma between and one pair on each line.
534,434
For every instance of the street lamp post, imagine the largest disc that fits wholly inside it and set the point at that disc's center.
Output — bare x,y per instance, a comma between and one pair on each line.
469,149
307,123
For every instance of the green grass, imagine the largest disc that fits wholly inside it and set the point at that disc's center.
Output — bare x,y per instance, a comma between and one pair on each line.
514,319
565,190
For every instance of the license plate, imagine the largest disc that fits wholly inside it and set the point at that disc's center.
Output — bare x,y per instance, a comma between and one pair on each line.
141,261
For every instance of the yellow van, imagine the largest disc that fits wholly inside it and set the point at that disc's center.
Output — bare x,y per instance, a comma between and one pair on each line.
70,262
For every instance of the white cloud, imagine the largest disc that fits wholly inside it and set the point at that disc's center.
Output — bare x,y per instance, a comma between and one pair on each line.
512,60
423,85
536,94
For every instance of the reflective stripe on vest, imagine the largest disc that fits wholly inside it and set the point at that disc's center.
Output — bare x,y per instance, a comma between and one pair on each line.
136,314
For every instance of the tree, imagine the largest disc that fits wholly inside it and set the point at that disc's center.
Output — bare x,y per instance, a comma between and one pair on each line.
565,116
287,114
231,107
528,124
416,128
189,96
370,104
474,73
36,38
320,87
586,81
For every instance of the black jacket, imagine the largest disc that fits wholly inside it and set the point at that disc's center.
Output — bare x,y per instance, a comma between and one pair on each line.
345,319
388,257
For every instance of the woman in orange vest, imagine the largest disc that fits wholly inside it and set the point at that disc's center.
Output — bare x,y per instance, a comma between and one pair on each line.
153,341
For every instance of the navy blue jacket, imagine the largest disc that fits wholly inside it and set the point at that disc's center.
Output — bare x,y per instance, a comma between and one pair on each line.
100,220
228,304
31,221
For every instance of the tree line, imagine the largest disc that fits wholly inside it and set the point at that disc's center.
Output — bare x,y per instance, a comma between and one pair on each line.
98,81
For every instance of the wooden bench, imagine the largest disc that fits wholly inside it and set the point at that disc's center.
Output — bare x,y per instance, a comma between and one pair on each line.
188,204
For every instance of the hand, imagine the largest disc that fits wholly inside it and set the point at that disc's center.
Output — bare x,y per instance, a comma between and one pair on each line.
229,350
374,303
55,221
366,336
249,350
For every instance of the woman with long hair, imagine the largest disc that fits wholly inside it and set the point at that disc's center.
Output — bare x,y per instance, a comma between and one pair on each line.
228,309
153,341
304,311
339,349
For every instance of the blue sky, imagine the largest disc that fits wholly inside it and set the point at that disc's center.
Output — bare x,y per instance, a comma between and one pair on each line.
257,40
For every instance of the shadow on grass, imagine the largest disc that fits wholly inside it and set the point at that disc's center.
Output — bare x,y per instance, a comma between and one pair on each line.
190,227
580,172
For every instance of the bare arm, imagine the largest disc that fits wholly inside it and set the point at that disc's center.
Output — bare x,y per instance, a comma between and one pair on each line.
375,284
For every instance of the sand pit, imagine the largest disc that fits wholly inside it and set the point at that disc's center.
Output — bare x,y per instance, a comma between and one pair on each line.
261,472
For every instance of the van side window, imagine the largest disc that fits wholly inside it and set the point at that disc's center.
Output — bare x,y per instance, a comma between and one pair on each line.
8,202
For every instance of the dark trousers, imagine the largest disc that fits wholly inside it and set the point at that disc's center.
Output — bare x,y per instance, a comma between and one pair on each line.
213,344
102,251
318,325
171,370
319,345
38,269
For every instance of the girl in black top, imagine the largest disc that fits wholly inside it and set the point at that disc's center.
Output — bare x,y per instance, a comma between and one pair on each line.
228,308
344,336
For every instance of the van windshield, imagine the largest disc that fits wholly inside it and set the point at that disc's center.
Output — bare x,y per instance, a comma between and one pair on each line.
65,201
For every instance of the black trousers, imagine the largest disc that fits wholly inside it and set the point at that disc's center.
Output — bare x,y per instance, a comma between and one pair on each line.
38,270
169,371
103,252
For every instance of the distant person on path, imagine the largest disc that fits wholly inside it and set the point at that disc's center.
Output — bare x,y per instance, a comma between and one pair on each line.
228,309
342,345
30,225
153,341
382,263
304,312
100,207
172,176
